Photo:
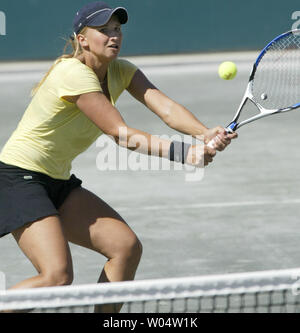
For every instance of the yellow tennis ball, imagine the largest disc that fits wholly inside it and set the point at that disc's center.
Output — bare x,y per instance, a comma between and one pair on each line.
227,70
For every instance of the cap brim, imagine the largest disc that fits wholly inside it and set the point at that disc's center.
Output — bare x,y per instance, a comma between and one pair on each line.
104,17
122,14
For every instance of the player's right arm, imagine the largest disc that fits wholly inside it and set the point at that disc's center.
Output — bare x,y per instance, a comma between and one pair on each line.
108,119
175,115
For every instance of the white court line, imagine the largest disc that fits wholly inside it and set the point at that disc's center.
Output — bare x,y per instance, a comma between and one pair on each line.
21,77
213,205
155,65
175,70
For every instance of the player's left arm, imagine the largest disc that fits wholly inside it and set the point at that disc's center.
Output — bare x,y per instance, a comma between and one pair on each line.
175,115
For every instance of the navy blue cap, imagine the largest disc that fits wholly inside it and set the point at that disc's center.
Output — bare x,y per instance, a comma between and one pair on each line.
97,13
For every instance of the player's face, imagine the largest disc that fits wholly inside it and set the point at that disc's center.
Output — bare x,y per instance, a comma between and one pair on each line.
105,41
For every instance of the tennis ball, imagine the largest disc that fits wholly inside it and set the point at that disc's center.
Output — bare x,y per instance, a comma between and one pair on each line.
227,70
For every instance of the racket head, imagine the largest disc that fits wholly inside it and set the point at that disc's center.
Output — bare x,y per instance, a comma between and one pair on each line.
274,82
275,78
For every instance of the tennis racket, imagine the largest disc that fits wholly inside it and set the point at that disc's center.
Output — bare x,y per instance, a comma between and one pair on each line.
274,83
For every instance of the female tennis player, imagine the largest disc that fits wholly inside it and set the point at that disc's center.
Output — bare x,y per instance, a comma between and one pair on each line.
41,203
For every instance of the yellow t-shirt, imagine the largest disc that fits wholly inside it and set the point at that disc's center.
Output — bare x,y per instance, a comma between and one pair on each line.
53,131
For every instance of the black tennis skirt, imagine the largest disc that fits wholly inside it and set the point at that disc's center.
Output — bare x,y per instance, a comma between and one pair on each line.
27,196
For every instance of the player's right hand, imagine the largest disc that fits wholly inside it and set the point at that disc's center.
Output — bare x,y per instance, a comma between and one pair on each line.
221,139
200,155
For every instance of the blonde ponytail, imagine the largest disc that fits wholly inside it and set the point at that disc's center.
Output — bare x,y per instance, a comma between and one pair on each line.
76,51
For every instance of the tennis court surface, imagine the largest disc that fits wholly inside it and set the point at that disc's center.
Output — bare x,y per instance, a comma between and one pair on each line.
243,216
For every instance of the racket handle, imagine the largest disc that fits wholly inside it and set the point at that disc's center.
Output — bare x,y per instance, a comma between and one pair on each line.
211,143
229,129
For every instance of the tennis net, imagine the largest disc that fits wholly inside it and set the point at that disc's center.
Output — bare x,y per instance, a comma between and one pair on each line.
266,291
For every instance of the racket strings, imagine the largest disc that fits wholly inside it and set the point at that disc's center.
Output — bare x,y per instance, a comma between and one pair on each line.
276,83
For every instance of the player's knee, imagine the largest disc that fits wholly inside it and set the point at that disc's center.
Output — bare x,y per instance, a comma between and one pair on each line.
138,249
58,277
132,249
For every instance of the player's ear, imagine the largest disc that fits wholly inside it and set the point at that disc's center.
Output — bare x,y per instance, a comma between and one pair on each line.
82,40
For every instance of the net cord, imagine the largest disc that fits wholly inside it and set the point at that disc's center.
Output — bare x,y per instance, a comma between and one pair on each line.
144,290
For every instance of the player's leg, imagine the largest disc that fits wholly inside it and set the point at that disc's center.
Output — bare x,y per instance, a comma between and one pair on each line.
44,243
89,222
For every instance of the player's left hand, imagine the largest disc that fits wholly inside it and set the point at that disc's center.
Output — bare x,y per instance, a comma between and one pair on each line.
221,138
